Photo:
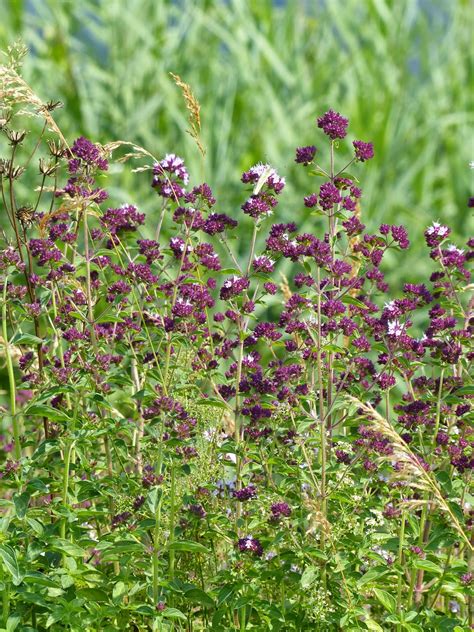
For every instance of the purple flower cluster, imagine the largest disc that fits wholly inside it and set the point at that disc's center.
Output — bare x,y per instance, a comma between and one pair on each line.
233,287
245,493
363,151
124,218
249,544
268,185
305,155
333,125
170,176
86,155
280,510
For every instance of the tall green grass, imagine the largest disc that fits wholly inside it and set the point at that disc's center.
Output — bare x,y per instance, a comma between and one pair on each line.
401,71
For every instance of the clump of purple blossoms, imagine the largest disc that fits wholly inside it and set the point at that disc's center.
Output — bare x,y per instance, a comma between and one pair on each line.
233,287
198,511
328,196
246,493
170,176
279,510
268,185
86,154
333,124
248,544
305,155
363,151
435,234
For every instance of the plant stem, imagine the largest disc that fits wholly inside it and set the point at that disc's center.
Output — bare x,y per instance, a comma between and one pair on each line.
252,247
237,428
172,519
155,551
90,310
11,377
323,430
5,601
401,537
67,463
141,421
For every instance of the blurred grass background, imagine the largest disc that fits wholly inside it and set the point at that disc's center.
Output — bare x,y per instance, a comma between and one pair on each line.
400,70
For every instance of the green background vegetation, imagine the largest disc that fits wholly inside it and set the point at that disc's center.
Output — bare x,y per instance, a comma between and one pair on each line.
401,71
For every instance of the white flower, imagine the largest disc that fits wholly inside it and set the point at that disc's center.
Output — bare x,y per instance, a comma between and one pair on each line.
437,229
395,328
452,248
175,241
391,307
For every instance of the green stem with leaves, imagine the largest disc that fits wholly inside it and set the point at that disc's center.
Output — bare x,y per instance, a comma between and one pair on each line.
401,538
156,543
65,489
11,377
172,519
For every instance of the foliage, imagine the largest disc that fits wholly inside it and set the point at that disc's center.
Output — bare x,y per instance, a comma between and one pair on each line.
192,444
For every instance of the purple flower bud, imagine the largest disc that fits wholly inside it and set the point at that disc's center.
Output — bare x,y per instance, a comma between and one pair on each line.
363,151
305,155
333,124
328,196
311,200
246,493
250,545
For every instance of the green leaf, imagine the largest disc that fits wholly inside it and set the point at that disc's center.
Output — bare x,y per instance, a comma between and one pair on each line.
40,579
372,625
427,565
371,575
21,504
64,546
190,547
388,601
317,172
126,546
225,594
92,594
10,561
410,615
465,390
42,410
153,499
173,613
350,300
25,339
346,174
146,610
12,623
216,403
119,590
308,577
196,594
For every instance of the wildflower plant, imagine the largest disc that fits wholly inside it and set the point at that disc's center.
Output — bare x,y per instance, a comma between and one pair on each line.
192,441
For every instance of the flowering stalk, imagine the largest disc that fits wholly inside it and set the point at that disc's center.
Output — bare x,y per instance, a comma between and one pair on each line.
401,538
68,448
11,376
156,551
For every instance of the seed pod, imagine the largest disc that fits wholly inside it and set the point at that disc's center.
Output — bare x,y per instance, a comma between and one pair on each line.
16,137
4,167
17,172
50,106
26,216
58,151
47,168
